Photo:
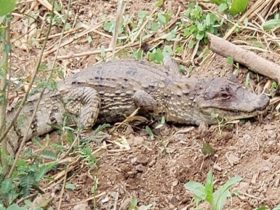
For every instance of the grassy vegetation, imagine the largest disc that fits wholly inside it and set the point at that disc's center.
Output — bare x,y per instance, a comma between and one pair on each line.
149,35
205,193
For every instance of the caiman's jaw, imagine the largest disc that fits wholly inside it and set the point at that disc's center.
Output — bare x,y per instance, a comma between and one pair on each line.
216,115
224,99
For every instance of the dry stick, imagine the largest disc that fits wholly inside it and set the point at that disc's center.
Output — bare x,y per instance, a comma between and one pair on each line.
84,201
23,102
28,89
49,6
248,14
41,94
277,2
120,10
143,25
4,89
130,44
253,61
62,189
72,39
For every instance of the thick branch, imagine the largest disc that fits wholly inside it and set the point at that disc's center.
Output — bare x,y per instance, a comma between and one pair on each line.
253,61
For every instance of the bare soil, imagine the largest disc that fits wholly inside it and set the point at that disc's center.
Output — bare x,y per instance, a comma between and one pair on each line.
130,164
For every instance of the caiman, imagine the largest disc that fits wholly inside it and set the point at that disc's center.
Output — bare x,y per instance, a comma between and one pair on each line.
111,91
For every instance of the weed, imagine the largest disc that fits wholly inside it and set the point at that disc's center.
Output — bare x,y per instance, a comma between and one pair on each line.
272,24
88,156
206,193
232,7
198,23
25,177
266,208
133,205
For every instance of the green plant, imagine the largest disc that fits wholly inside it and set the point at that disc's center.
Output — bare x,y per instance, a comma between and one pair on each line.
233,7
7,6
25,177
272,24
206,193
266,208
88,156
198,24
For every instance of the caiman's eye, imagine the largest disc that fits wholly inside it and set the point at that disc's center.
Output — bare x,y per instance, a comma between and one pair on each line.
225,93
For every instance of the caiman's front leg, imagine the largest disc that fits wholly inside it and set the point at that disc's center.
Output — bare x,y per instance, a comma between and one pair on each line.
84,102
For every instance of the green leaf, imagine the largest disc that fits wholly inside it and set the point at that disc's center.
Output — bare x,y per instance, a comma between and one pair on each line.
7,6
150,132
154,26
6,186
42,170
277,207
70,186
133,204
48,154
142,14
223,192
191,44
156,56
15,207
200,35
109,26
138,55
171,36
230,60
261,208
159,3
223,7
197,189
218,2
271,24
207,149
209,187
238,6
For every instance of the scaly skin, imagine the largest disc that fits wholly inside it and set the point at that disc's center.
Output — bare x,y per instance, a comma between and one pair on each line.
110,91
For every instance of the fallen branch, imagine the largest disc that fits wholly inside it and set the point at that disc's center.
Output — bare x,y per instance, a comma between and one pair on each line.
253,61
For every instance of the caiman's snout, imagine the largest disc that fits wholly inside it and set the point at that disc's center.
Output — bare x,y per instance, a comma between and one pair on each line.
263,102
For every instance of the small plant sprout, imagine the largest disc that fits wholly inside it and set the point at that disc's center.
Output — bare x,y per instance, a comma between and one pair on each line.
217,199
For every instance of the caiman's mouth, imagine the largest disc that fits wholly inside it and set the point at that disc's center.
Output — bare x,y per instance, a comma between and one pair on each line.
230,114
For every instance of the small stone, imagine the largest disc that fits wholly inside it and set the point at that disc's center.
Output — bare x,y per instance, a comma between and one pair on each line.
82,206
217,167
140,168
232,159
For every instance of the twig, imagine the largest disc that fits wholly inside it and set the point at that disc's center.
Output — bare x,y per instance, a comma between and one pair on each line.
46,4
4,134
253,61
248,14
5,68
143,26
24,100
86,200
120,10
42,92
116,201
49,51
62,189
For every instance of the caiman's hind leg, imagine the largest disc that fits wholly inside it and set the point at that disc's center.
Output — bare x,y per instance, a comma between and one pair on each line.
84,102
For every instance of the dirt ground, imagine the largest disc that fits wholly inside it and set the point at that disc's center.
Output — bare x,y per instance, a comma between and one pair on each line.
131,165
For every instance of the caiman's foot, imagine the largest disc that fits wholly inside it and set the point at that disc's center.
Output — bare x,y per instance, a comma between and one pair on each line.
84,102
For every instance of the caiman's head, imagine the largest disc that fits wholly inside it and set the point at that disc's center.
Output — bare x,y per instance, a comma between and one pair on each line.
221,98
